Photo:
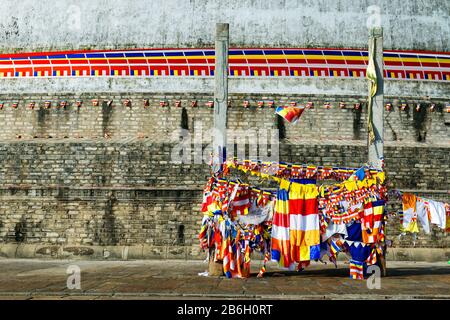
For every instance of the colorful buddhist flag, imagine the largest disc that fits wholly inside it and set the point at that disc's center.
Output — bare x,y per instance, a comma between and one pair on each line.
291,114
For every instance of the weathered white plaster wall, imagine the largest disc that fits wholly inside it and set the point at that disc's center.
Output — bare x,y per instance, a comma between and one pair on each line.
71,24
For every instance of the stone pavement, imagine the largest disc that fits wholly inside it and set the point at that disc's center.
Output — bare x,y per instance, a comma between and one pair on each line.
179,279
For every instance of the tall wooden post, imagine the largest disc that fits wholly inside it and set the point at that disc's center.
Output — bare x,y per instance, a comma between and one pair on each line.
220,115
375,147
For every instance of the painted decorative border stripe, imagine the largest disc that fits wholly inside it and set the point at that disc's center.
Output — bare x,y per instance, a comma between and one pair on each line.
334,63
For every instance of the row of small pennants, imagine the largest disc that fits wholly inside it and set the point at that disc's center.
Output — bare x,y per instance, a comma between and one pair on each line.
289,170
210,104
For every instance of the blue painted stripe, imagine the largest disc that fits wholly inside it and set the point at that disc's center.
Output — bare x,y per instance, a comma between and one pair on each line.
312,52
235,52
254,52
209,53
38,57
390,55
332,53
76,56
288,52
193,53
351,53
114,55
95,55
174,54
134,54
154,54
58,56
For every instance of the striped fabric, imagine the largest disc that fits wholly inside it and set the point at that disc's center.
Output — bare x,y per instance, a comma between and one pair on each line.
291,114
356,270
280,227
372,259
372,220
296,222
304,218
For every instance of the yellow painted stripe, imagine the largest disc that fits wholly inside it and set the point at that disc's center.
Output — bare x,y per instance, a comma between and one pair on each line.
77,72
58,73
235,72
295,73
354,73
195,72
1,74
156,72
275,72
337,58
116,72
411,75
316,73
291,56
255,72
335,73
315,56
392,74
175,72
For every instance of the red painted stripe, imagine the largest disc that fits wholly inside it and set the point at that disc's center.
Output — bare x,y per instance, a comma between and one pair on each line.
290,60
22,62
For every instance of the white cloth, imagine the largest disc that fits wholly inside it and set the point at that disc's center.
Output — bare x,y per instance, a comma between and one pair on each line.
257,215
422,216
334,228
437,213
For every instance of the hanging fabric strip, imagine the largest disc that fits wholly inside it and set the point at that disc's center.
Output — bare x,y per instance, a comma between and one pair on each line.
371,74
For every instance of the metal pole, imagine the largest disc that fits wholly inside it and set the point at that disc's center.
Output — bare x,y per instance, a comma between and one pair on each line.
221,92
376,147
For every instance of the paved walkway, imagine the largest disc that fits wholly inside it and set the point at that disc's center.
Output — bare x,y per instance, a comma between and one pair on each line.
176,279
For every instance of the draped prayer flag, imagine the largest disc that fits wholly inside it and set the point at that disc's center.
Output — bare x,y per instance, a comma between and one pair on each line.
295,228
280,227
291,114
372,220
304,219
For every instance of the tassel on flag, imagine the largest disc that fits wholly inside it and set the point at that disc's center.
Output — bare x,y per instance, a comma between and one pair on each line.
291,114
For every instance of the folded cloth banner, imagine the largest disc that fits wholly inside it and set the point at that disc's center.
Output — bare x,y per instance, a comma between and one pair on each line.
291,114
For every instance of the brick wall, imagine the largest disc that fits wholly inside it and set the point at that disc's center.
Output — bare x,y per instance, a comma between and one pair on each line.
104,176
114,193
158,123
